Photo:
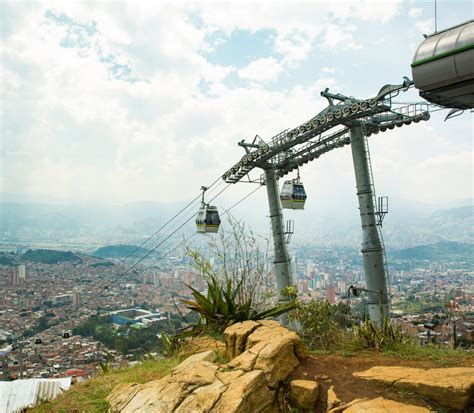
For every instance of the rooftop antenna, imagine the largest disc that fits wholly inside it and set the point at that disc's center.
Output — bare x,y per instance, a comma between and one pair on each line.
436,16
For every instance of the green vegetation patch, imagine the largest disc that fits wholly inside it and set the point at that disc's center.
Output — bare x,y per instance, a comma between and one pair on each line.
127,338
90,396
45,256
119,251
442,356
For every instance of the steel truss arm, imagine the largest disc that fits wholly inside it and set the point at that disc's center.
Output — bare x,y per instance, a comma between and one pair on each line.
283,152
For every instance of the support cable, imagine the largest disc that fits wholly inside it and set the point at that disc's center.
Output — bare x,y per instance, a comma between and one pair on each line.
225,212
168,237
167,223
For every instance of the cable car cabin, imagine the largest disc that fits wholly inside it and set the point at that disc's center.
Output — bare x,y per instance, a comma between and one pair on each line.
293,195
443,67
207,219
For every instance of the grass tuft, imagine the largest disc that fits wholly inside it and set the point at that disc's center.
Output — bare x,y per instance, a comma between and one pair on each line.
444,357
90,396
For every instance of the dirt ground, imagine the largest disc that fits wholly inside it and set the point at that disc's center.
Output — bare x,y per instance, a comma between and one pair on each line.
336,370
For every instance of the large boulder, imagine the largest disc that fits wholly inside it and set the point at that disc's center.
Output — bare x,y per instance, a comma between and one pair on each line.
236,337
276,358
270,330
247,393
450,387
164,395
202,399
251,382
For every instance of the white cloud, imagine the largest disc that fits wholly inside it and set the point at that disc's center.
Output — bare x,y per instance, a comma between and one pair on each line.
262,70
366,10
339,37
72,130
327,69
294,46
415,12
425,26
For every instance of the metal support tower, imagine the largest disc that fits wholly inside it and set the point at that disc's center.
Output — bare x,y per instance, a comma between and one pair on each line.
346,120
281,257
372,251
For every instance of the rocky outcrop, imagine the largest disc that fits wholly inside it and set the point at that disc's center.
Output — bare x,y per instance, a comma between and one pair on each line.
450,387
263,355
167,394
236,336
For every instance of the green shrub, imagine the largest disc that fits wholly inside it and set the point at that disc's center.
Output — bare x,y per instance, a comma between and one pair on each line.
317,324
369,336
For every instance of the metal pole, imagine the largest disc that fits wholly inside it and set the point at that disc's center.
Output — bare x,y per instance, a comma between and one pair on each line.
281,257
372,252
21,361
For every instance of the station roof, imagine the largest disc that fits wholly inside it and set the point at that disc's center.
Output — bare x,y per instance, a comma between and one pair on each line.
445,43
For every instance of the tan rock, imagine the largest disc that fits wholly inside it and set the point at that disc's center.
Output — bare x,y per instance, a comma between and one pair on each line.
268,332
269,323
202,399
276,359
199,373
121,395
228,376
332,400
271,330
166,394
198,385
246,360
209,355
199,344
236,335
248,393
450,387
381,405
343,407
304,393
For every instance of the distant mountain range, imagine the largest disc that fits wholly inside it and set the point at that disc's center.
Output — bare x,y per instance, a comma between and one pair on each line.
440,252
407,224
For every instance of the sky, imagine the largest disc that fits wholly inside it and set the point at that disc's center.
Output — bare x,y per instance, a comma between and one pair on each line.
145,101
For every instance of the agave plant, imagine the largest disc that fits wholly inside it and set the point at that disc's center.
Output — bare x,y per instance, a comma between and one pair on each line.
222,306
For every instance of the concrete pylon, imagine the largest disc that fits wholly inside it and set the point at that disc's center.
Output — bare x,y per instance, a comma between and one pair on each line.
372,252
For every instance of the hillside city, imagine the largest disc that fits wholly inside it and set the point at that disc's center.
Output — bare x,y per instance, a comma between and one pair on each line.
50,295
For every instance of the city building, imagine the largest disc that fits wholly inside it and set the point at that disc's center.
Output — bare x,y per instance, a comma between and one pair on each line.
137,316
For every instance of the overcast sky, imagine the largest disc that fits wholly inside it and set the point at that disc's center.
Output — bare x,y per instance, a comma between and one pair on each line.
123,102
